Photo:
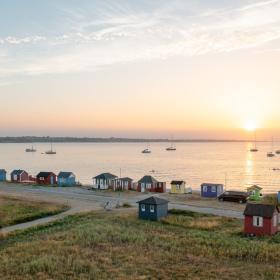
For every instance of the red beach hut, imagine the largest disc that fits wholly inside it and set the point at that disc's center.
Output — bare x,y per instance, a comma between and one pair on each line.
261,219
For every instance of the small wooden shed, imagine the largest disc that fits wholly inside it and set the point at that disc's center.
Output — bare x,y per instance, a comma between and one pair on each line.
261,219
18,176
66,179
211,190
178,187
254,193
153,208
122,184
104,181
46,178
3,175
150,184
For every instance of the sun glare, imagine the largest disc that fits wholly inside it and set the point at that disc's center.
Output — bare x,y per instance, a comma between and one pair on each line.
250,126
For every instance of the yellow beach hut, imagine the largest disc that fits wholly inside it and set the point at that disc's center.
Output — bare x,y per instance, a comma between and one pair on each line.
178,187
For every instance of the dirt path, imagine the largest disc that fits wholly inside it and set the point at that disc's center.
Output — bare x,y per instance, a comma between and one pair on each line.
82,200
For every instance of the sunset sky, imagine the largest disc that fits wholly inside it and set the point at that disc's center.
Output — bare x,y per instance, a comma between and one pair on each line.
191,69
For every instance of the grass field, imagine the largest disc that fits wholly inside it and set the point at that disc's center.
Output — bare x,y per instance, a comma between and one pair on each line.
117,245
14,210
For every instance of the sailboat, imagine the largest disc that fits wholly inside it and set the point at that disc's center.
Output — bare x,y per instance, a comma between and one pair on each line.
171,148
30,150
147,150
51,151
254,149
271,154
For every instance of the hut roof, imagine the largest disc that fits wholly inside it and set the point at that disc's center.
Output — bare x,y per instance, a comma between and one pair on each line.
211,184
45,174
64,174
148,180
125,179
254,187
262,210
17,172
106,176
177,182
3,171
153,200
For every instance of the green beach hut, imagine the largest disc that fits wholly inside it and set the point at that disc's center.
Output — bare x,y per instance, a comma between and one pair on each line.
254,193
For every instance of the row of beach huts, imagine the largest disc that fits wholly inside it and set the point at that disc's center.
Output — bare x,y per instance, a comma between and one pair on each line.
107,181
260,219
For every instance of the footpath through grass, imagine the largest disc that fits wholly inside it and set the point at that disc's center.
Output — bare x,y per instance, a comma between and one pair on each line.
14,210
117,245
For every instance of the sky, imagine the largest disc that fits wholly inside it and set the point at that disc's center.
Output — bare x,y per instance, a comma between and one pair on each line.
155,69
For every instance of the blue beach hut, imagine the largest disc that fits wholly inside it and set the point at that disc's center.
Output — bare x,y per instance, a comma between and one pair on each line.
3,176
211,190
153,208
66,179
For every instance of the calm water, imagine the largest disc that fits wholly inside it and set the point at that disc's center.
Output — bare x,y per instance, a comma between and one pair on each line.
193,162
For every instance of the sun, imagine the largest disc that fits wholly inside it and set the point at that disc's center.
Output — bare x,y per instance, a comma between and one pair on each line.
250,126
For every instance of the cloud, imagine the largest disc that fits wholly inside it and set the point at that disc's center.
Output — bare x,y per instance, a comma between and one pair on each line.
24,40
128,36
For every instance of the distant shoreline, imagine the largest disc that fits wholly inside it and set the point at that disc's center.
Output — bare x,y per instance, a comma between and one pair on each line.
35,139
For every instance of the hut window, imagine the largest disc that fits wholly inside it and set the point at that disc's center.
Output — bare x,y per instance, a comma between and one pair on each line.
143,207
148,186
152,209
178,187
213,189
205,188
257,221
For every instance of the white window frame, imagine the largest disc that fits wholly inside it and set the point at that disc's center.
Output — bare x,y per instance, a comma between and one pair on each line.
178,187
257,221
152,208
205,188
143,207
213,189
148,186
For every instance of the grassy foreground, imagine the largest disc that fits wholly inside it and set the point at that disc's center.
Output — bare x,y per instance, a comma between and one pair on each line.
117,245
15,211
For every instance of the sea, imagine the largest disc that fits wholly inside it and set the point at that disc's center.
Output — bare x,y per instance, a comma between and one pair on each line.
231,164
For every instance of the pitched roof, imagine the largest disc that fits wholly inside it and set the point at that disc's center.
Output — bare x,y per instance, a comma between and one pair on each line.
177,182
148,180
254,187
153,200
262,210
17,172
3,171
106,176
64,174
44,174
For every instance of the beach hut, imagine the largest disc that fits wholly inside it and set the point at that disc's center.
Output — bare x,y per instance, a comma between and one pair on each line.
153,208
178,187
278,197
3,174
104,181
122,184
150,184
254,193
46,178
261,219
211,190
18,176
66,179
